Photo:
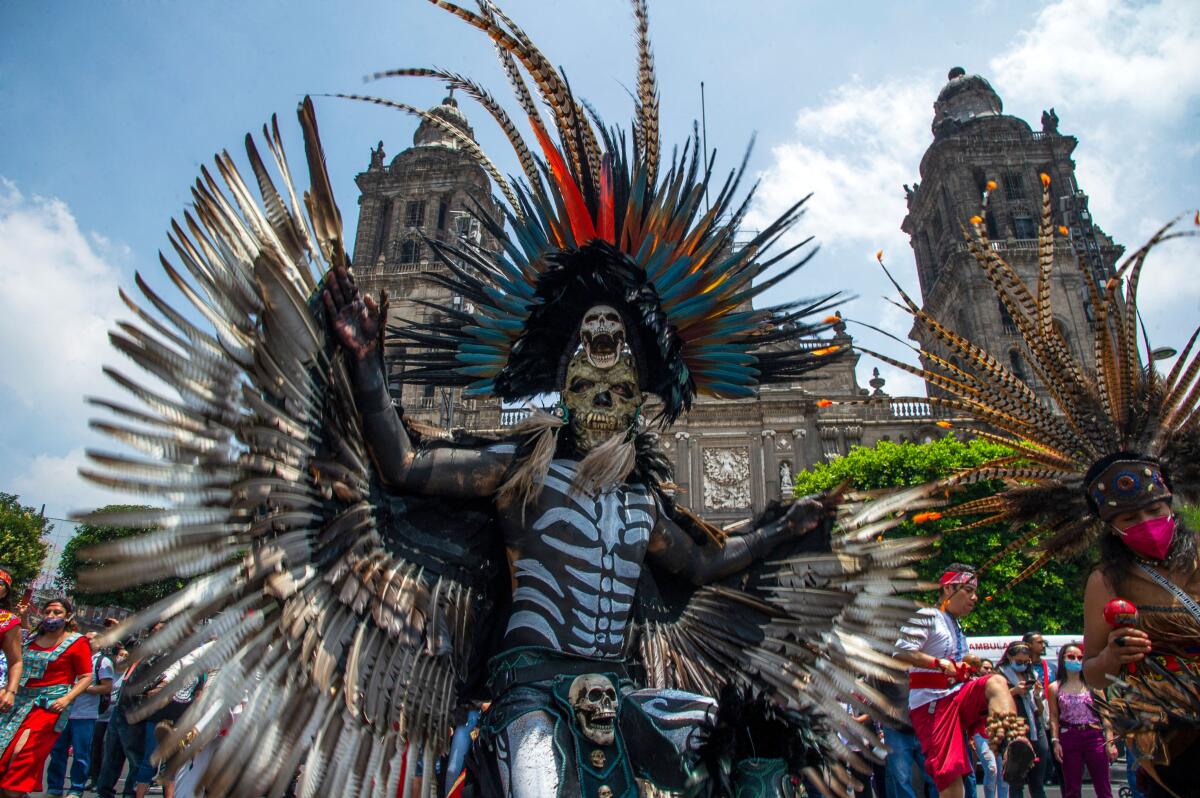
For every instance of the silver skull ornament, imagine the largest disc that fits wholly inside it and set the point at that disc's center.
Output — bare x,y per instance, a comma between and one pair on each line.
602,334
594,700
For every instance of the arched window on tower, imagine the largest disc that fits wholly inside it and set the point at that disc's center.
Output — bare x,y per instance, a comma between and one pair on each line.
414,213
1024,226
1006,319
993,230
410,251
1014,186
384,229
1016,365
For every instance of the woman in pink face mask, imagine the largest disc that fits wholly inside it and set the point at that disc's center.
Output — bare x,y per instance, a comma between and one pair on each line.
1148,557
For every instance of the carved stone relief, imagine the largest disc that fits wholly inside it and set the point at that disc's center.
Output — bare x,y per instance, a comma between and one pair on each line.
727,478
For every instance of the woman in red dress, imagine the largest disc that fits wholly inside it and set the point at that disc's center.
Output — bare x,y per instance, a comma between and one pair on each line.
10,644
57,667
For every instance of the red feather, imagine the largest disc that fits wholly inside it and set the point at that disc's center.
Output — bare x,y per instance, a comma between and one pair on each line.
607,212
582,226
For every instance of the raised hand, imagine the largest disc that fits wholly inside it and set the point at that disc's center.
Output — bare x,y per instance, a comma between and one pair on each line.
356,318
810,512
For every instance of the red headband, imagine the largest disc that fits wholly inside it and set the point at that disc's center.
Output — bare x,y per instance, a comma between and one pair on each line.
5,577
958,578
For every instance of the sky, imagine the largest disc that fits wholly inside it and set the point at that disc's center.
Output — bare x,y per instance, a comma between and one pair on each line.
108,110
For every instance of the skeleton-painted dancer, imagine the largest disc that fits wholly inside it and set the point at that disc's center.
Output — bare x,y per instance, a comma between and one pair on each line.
368,577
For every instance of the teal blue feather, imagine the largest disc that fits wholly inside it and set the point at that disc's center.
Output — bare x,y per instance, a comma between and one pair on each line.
496,337
671,284
480,349
479,371
724,389
734,358
505,324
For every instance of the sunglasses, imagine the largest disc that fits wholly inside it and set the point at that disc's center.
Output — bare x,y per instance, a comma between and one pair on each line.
1075,657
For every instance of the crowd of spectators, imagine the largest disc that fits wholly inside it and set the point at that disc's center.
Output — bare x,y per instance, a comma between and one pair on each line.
85,714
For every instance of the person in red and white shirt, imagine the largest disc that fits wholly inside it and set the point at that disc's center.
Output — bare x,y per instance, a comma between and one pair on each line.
947,703
57,669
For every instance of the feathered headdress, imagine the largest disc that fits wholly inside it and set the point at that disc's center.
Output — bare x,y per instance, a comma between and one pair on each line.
1093,409
597,222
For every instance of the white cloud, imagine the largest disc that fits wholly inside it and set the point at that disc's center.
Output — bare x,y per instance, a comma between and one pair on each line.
853,152
55,480
1107,52
1125,79
57,303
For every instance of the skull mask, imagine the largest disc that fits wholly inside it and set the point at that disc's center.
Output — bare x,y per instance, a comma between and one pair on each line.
602,334
602,401
595,702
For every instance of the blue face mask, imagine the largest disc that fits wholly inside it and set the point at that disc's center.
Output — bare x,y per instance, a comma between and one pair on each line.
53,624
1073,665
1020,667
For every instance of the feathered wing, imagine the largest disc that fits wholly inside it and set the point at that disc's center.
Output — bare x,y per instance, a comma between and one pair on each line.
1147,703
801,627
341,615
1105,402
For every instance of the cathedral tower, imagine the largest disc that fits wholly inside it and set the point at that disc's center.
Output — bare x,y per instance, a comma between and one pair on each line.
431,190
974,142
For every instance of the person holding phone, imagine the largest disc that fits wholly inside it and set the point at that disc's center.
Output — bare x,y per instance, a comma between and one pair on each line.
1023,685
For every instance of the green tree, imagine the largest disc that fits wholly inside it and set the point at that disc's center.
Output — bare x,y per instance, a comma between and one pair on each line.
75,559
1049,601
22,548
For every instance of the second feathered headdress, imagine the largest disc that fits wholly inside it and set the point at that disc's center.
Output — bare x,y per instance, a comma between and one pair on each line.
1097,439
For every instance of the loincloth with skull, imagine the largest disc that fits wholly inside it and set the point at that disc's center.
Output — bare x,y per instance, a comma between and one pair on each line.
606,727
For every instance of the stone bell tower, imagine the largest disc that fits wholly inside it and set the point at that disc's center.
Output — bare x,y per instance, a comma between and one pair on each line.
974,141
431,190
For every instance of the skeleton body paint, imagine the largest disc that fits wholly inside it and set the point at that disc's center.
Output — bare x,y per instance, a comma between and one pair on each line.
431,567
576,566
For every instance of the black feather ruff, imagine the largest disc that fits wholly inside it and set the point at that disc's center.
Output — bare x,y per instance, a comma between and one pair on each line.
575,280
748,725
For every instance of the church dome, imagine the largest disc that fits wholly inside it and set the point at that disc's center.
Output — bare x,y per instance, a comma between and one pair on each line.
963,99
429,134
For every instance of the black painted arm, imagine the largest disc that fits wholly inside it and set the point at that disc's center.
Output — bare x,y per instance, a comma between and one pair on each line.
673,549
451,471
357,323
